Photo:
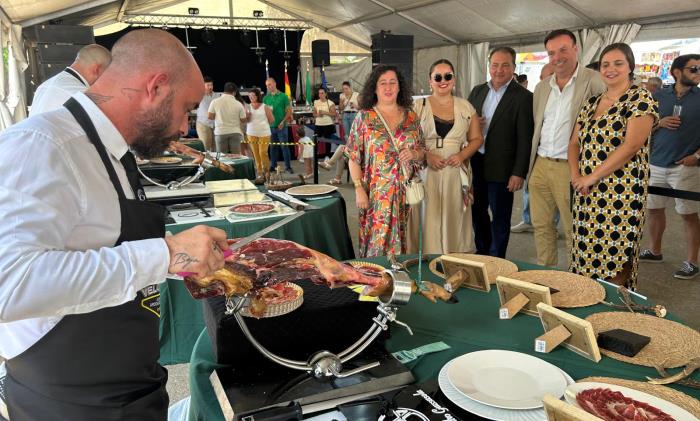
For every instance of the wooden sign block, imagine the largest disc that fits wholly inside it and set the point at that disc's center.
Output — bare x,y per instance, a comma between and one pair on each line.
475,272
558,410
552,339
509,289
582,340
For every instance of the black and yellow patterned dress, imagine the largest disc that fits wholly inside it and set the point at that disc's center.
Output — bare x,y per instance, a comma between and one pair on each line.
609,221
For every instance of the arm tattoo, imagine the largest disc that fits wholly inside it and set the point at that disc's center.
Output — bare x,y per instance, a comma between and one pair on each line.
184,259
97,98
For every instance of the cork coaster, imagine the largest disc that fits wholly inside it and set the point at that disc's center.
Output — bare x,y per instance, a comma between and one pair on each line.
672,344
574,290
666,393
495,266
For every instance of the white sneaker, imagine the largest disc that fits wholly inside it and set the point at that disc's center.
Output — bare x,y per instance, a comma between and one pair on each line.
522,227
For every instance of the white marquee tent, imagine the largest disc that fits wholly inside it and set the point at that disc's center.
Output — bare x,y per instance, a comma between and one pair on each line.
460,30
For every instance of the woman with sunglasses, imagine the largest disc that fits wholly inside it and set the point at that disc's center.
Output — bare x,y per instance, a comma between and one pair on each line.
609,162
385,149
450,140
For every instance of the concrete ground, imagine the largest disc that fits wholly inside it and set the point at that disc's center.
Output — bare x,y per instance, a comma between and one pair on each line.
655,279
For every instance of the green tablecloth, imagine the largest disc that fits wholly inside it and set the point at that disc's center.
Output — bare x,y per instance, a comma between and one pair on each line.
182,320
242,168
193,143
470,325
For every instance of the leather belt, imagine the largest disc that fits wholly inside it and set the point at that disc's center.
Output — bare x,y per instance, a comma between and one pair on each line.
553,159
349,112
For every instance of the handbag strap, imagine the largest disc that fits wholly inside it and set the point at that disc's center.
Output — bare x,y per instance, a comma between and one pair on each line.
393,141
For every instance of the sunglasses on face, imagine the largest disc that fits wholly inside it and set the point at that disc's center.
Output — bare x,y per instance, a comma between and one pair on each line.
693,69
447,76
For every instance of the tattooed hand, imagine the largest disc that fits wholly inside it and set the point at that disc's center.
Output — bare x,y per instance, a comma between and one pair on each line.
197,249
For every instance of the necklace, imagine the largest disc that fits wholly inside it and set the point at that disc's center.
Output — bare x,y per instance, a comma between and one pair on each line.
618,96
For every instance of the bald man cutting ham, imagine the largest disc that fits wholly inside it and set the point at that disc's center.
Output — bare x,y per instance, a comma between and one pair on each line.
83,253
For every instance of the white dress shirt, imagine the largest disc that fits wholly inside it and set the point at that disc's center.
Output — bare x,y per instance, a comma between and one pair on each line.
59,221
228,115
557,123
203,109
489,108
54,92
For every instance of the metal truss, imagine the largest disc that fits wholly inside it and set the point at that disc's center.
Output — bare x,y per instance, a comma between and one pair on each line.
235,22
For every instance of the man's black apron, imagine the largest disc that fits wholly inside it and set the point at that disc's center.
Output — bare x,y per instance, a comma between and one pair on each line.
75,75
99,366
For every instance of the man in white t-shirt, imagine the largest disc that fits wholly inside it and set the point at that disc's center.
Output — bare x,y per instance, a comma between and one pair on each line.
229,116
205,126
89,64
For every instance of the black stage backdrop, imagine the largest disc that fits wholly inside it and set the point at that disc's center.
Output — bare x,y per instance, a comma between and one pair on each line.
228,56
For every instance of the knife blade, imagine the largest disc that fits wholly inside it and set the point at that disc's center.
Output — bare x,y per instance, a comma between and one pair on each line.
252,237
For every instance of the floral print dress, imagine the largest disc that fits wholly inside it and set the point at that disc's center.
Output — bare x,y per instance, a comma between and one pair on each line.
383,223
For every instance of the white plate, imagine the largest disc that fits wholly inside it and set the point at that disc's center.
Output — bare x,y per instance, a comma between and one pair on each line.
486,411
673,410
506,379
311,190
166,160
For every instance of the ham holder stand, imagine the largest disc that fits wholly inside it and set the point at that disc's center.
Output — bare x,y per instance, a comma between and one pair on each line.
288,389
325,363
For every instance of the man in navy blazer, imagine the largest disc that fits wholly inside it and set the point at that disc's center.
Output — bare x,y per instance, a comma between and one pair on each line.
501,164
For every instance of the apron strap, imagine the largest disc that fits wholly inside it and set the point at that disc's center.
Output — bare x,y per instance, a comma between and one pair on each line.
75,75
82,118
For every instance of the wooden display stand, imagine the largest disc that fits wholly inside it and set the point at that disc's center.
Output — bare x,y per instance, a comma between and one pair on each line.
466,273
564,329
516,296
558,410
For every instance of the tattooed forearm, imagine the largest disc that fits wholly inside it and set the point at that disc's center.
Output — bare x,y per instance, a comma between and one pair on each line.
184,259
97,98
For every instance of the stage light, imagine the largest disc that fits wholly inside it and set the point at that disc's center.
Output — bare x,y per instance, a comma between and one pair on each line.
257,13
275,36
193,11
246,39
208,36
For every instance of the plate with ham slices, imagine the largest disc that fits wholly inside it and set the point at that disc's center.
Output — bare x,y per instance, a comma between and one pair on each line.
612,403
247,209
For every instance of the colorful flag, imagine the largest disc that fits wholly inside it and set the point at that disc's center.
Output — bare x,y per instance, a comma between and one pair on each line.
287,87
297,88
323,77
308,85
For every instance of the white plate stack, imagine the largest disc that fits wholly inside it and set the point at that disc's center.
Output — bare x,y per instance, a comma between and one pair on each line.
502,385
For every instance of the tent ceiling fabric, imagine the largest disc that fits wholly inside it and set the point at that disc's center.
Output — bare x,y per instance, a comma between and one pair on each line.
432,22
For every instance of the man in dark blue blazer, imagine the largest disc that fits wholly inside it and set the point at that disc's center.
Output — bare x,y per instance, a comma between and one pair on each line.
501,164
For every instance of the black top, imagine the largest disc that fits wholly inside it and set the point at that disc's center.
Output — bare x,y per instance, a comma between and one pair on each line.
442,127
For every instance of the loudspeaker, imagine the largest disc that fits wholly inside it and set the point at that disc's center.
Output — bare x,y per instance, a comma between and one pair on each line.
48,70
60,34
394,50
57,53
321,52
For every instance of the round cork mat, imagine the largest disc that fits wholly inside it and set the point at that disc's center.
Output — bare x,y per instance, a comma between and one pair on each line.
495,266
672,344
666,393
574,290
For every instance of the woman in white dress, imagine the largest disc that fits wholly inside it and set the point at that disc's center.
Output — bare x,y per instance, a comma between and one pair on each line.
452,136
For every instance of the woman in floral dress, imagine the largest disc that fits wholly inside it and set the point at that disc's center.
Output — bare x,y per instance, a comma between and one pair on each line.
609,160
375,160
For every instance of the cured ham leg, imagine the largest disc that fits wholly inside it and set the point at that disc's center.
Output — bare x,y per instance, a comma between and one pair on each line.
266,262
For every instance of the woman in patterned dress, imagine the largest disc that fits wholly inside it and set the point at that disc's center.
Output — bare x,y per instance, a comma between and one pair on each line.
375,160
609,160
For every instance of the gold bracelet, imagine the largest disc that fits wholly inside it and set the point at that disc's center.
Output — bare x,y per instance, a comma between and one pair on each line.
358,183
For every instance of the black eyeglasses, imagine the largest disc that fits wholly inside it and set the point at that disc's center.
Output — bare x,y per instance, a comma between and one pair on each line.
438,77
691,69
